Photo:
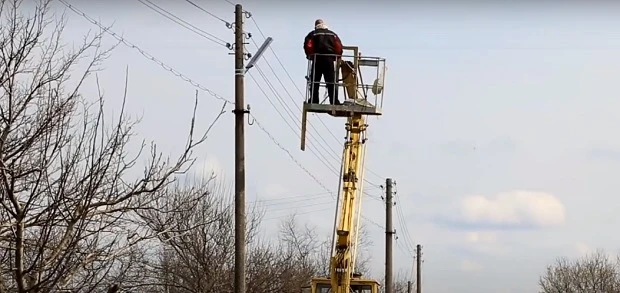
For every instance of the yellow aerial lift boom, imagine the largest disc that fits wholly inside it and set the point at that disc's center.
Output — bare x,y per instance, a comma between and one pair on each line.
356,106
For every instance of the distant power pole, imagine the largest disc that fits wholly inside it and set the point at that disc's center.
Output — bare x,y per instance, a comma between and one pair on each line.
239,112
389,236
418,260
408,286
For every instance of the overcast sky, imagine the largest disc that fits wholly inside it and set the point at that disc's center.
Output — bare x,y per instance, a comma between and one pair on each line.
499,127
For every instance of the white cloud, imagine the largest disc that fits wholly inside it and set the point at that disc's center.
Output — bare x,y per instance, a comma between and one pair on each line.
470,266
537,209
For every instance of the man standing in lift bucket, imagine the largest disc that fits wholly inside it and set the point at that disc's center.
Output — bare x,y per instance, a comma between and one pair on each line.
327,46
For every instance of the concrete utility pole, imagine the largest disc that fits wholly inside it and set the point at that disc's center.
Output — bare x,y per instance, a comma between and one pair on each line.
239,112
418,261
389,236
409,286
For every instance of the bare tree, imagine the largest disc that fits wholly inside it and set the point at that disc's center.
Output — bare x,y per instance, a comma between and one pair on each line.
303,254
594,273
70,205
195,252
306,254
401,281
364,254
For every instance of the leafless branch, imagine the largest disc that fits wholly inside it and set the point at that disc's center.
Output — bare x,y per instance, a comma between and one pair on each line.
595,272
71,208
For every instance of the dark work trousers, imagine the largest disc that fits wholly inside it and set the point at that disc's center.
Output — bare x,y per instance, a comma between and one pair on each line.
323,67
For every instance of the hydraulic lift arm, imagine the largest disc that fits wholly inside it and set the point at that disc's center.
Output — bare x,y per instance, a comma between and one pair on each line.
341,266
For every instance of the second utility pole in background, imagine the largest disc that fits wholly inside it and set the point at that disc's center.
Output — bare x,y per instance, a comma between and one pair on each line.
239,112
418,262
389,236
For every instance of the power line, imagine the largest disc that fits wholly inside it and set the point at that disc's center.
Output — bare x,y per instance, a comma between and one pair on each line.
148,55
298,124
200,32
322,159
301,94
402,249
228,24
230,2
409,244
272,88
292,81
293,198
303,97
373,222
233,4
288,207
326,147
311,195
185,24
144,53
199,86
319,156
297,213
407,237
293,201
275,141
296,120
